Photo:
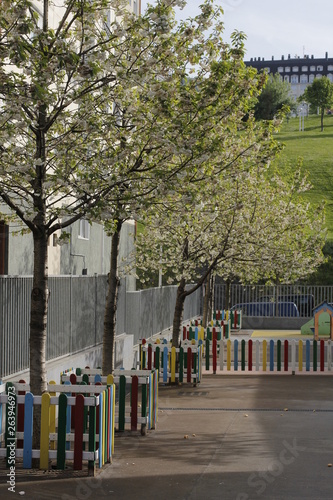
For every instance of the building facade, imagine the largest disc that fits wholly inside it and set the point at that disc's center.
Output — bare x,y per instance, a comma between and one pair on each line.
88,249
298,71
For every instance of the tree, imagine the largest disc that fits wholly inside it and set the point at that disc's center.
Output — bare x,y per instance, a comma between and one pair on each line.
324,274
320,95
167,124
244,223
275,94
215,102
296,236
59,91
196,230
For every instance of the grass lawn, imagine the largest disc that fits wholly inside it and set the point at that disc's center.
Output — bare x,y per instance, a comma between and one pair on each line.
316,149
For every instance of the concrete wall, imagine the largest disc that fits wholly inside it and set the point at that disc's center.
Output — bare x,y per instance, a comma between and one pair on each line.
92,254
125,357
126,253
20,253
258,323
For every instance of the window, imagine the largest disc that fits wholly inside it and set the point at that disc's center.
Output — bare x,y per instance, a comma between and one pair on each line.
318,76
304,79
330,67
294,79
286,78
311,78
320,68
312,68
84,230
267,70
304,68
280,69
330,77
295,69
287,69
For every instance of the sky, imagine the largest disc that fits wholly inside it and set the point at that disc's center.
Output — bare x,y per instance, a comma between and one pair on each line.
275,27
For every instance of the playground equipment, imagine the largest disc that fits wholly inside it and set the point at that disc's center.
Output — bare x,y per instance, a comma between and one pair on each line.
321,325
324,307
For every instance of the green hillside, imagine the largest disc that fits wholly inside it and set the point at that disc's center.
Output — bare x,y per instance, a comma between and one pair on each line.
316,149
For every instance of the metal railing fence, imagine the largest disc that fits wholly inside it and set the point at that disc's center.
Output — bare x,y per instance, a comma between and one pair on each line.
305,297
76,315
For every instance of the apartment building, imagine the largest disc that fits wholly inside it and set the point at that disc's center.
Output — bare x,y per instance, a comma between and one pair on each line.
296,70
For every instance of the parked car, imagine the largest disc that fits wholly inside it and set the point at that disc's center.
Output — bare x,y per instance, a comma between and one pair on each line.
305,303
284,309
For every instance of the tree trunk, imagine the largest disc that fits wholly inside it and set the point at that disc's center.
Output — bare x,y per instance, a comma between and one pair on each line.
178,314
211,297
38,316
322,119
38,324
109,334
40,291
227,301
205,312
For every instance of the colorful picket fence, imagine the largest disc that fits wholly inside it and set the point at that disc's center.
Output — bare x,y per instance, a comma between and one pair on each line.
233,317
295,356
224,323
77,424
182,364
220,328
140,409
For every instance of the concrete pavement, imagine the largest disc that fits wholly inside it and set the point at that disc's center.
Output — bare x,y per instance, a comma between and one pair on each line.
231,438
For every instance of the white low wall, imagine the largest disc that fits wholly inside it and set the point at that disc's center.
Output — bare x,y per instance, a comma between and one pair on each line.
125,358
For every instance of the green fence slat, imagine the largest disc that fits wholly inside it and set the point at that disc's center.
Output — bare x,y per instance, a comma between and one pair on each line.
207,354
181,365
243,355
157,358
279,355
315,348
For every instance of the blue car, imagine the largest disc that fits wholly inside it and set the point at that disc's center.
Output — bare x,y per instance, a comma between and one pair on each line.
284,309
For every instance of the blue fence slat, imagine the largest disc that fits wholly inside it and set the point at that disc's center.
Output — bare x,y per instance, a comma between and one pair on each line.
68,418
271,355
236,355
165,365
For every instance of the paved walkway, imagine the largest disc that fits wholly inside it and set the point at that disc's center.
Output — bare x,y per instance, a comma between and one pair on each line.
230,438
